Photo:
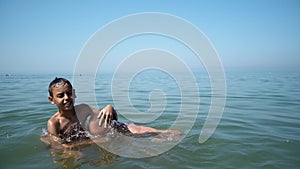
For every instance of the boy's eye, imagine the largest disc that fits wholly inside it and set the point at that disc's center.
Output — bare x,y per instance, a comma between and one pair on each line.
69,93
60,95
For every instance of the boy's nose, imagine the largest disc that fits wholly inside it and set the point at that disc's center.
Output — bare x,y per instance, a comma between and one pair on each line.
66,96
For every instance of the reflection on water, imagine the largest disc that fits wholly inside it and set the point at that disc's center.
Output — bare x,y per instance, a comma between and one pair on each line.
77,156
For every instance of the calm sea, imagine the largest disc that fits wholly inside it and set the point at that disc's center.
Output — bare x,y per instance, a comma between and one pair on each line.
260,126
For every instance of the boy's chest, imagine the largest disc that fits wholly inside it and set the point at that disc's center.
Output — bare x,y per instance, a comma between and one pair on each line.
65,124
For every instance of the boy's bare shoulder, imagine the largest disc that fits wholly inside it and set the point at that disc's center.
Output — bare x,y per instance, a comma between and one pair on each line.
54,118
53,124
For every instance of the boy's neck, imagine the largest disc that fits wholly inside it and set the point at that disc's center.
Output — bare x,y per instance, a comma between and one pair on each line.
68,113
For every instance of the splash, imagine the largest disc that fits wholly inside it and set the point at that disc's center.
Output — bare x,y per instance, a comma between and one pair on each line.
44,132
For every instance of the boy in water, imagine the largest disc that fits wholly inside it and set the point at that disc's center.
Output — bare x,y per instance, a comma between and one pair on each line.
64,126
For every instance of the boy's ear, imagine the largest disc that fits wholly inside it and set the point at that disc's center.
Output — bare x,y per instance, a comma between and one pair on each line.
73,93
50,98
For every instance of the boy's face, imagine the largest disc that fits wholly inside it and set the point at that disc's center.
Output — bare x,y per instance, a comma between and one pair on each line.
63,96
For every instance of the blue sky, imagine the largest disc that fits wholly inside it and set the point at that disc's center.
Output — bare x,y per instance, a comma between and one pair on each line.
47,36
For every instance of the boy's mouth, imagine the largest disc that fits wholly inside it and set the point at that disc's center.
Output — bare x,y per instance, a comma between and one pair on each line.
68,104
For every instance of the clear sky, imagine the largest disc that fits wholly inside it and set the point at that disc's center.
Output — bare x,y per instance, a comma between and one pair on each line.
47,36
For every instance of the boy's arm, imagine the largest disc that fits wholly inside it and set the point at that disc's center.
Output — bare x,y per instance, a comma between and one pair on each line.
105,115
83,111
53,138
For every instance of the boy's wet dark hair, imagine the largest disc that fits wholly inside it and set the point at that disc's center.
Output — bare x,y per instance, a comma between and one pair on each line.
58,82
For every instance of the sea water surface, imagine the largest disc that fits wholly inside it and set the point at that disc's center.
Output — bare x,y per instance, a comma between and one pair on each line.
260,126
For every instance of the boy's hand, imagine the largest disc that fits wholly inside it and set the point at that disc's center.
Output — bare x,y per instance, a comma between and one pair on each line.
104,118
106,115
